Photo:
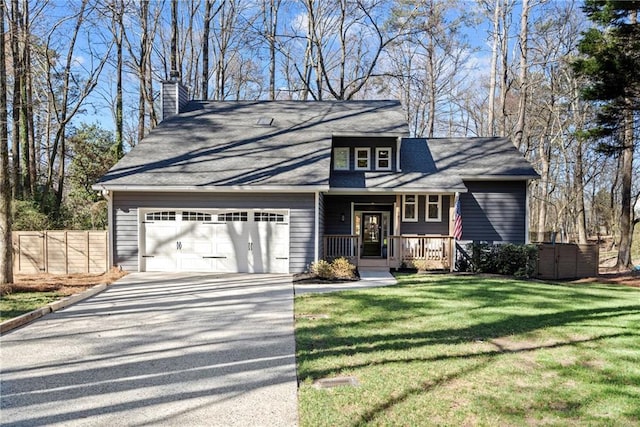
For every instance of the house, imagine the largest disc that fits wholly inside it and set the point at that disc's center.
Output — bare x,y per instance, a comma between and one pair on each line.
271,186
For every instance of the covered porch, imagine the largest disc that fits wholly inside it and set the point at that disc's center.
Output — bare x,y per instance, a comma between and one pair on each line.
425,252
390,230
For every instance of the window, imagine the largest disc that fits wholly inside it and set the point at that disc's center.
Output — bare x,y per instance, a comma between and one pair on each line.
233,216
383,158
196,216
410,208
161,216
267,217
433,211
341,158
362,158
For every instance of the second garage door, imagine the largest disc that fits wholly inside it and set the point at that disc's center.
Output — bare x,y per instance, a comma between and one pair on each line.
228,241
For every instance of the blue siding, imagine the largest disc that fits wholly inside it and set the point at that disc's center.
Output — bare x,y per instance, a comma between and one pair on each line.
125,219
494,211
423,227
335,206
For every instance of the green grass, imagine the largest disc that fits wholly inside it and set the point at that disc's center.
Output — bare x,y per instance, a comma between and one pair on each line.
464,350
13,305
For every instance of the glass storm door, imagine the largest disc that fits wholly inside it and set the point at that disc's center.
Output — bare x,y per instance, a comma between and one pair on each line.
371,234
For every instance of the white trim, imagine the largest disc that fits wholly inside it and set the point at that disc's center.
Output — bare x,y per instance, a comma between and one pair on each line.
356,158
426,208
335,151
377,165
415,204
398,146
401,190
499,177
316,226
204,189
527,240
111,227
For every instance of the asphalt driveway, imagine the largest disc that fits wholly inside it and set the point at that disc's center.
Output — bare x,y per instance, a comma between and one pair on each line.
158,349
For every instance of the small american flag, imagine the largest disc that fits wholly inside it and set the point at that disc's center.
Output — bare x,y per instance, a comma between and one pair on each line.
457,218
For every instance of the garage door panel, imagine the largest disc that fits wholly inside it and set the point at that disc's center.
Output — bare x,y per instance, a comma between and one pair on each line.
218,241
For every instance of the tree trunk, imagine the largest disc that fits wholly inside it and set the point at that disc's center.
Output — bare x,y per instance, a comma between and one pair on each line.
624,252
524,84
118,32
205,49
174,73
16,175
579,195
494,66
6,261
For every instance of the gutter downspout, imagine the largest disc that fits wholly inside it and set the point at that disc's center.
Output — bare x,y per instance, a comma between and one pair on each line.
109,198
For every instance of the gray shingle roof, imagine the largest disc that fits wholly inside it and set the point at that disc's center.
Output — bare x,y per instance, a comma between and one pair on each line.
257,144
441,165
287,144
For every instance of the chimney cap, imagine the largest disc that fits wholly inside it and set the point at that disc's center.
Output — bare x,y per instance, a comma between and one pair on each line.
174,75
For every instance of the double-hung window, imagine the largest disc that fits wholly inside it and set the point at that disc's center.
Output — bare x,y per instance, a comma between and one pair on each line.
363,159
341,158
383,158
433,211
410,208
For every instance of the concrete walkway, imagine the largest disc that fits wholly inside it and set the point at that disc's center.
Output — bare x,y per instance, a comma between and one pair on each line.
158,349
368,279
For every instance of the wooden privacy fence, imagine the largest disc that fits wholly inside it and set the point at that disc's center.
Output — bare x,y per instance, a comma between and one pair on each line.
567,261
60,252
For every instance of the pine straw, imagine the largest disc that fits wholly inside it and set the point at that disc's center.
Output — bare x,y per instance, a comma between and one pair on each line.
62,284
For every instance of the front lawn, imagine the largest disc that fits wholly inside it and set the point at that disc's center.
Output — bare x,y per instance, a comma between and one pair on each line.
465,350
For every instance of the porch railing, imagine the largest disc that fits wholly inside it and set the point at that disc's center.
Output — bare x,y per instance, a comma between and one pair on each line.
429,252
341,245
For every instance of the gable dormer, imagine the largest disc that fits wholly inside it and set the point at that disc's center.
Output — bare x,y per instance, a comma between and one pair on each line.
365,153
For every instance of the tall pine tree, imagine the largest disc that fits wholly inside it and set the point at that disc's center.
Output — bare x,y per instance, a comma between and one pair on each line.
610,62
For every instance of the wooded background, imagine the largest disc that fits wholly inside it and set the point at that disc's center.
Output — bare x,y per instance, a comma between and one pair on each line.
560,78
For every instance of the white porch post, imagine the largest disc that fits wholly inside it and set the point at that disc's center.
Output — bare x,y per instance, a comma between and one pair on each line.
316,227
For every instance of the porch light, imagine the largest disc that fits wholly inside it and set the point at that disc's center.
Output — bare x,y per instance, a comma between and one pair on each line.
342,217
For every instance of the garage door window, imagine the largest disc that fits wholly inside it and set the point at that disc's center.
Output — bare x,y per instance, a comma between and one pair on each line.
267,217
196,216
233,216
161,216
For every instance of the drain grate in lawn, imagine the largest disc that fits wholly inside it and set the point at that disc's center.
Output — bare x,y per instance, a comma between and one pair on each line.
336,382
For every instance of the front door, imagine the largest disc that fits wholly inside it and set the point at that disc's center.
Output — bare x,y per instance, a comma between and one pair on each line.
371,234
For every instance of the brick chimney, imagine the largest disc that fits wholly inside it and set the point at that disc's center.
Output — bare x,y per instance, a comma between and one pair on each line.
174,96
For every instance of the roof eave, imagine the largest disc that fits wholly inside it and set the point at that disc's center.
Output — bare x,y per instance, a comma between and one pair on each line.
397,190
213,189
499,177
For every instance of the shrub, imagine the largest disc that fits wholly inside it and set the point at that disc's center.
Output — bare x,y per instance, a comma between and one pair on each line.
343,269
507,259
27,216
339,268
322,269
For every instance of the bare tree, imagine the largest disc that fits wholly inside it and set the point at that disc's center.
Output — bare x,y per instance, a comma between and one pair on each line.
6,261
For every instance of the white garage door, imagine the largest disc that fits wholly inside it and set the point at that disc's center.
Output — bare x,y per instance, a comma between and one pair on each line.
228,241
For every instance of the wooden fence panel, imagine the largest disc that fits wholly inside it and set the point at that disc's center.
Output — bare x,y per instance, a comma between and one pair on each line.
28,250
60,252
567,261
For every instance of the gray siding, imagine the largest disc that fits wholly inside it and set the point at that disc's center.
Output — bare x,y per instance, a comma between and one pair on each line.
494,211
423,227
125,219
173,102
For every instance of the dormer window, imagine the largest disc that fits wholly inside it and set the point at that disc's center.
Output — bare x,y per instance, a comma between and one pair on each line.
341,158
363,159
383,158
